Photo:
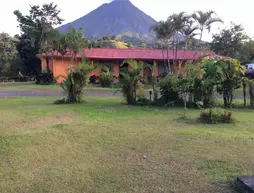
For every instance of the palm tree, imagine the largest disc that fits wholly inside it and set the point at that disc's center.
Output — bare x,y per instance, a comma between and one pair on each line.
76,80
188,31
212,75
165,31
130,80
178,22
205,20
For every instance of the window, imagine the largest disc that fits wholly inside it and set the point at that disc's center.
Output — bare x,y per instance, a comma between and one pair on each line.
109,65
162,69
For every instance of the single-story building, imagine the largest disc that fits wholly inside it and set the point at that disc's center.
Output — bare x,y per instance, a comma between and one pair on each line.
113,58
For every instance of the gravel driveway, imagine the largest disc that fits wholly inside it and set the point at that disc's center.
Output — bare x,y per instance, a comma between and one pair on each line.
104,93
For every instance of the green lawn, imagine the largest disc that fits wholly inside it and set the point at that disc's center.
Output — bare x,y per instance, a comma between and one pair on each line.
105,146
35,87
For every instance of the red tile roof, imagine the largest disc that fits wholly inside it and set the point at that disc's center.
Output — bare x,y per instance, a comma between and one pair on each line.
140,54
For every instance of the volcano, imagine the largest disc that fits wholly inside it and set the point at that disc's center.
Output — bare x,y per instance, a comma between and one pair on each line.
119,18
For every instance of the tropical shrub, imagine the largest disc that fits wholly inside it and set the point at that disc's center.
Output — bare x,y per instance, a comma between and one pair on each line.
130,81
186,82
197,90
232,72
62,101
44,78
106,77
75,82
213,116
167,89
251,88
212,76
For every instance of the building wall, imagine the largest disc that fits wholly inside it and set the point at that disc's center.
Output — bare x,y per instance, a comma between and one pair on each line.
61,67
43,64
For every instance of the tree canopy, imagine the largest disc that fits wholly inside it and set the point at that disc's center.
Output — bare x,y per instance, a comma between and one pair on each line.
8,52
35,29
230,41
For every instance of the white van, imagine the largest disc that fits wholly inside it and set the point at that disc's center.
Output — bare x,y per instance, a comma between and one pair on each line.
250,70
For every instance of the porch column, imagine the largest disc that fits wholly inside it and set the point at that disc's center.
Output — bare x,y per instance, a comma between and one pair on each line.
156,70
43,64
116,71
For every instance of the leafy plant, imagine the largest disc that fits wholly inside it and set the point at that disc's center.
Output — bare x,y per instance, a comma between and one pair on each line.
75,82
106,77
232,72
186,82
211,77
167,89
251,87
130,81
44,78
213,116
36,30
205,20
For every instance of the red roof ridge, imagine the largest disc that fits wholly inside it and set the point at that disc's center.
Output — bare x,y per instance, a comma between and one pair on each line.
138,53
145,49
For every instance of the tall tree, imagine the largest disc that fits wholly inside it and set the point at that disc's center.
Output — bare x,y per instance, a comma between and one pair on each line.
178,22
232,79
164,32
247,51
211,77
230,41
35,28
167,33
75,41
8,52
205,20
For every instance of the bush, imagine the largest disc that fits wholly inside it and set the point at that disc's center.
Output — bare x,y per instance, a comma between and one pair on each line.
212,116
106,78
75,82
142,100
16,79
62,101
168,95
44,78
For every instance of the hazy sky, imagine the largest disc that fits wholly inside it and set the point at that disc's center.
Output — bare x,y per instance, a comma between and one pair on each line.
229,10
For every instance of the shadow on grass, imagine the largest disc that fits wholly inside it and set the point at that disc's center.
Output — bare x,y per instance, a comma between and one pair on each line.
236,187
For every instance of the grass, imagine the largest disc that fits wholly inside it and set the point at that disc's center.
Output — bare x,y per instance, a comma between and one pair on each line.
105,146
35,87
31,86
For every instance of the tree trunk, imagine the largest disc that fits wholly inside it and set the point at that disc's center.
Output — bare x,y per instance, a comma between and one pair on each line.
251,87
47,64
185,103
244,94
201,35
169,67
228,97
186,44
162,50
